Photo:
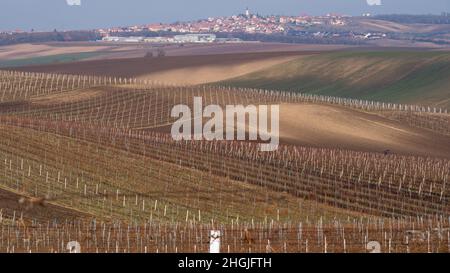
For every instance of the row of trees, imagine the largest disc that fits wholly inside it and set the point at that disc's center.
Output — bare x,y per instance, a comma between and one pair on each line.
54,36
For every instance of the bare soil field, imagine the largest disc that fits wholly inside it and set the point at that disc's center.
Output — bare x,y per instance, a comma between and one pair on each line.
213,73
127,50
247,47
22,51
338,127
175,69
394,27
136,50
401,44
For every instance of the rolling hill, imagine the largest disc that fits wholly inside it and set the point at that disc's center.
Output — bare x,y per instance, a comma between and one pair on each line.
92,147
410,77
189,69
328,126
401,77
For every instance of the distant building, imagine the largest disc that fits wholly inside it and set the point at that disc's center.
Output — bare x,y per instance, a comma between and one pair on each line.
195,38
160,40
133,39
111,39
123,39
187,38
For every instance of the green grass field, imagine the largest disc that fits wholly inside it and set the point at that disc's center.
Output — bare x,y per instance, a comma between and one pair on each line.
60,58
401,77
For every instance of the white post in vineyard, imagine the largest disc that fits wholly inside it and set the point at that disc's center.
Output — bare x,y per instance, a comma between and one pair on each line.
374,247
73,247
214,242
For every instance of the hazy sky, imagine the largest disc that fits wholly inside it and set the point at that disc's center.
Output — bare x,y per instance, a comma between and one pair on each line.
50,14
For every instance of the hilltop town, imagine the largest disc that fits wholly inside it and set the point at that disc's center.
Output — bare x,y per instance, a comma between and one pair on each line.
247,26
247,23
324,29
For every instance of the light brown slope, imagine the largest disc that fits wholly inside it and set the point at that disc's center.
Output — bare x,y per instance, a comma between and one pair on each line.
22,51
339,127
388,26
382,25
175,69
328,126
213,72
